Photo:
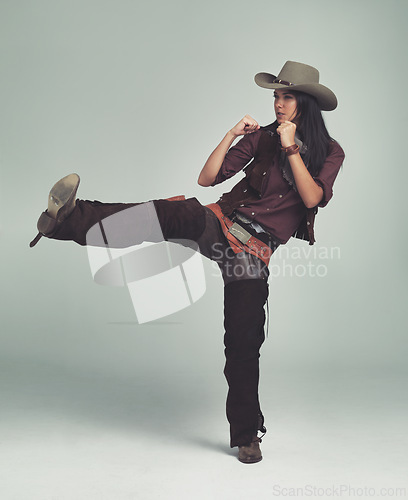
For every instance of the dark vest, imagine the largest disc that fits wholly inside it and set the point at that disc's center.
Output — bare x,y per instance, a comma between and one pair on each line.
250,188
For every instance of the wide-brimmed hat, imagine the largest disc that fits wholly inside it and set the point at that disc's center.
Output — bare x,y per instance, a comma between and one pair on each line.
298,76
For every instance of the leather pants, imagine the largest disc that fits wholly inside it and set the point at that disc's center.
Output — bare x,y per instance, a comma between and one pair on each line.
245,289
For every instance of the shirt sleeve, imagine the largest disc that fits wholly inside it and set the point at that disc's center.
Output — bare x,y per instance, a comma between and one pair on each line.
238,156
325,179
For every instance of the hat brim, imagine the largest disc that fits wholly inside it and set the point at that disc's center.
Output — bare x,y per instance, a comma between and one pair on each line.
324,96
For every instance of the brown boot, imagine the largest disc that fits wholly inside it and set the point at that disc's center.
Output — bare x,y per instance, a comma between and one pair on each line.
61,203
251,453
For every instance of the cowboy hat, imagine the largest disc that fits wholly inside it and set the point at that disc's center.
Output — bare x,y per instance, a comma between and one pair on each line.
298,76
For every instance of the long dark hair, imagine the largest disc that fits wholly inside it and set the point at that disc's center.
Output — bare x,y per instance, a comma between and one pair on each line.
312,131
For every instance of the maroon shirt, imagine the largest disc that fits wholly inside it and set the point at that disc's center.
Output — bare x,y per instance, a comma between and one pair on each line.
280,208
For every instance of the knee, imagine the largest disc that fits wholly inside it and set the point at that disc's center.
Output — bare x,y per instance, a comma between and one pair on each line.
244,316
181,219
244,302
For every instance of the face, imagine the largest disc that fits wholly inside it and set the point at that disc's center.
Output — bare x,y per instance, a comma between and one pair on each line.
285,105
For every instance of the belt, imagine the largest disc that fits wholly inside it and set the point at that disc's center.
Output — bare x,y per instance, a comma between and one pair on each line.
262,235
239,238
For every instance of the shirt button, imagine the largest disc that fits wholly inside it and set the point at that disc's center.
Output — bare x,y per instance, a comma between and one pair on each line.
267,209
264,173
280,196
242,205
253,213
245,190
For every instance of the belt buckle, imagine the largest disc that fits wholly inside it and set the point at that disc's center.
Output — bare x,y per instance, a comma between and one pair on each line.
240,233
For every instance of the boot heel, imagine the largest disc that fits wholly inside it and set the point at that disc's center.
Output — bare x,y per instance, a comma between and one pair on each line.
46,226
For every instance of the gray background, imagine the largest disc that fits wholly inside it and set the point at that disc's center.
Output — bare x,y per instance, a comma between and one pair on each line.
134,96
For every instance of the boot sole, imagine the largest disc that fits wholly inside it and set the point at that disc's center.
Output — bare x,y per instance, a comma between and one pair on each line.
251,461
62,196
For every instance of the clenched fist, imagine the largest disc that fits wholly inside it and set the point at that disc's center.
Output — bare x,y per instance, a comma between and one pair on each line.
286,131
245,126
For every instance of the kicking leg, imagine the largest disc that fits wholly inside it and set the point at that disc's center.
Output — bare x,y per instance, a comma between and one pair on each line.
67,219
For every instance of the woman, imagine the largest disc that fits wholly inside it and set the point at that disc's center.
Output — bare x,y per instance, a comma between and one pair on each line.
293,168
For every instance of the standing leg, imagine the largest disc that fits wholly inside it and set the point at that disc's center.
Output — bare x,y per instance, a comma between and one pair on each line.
244,334
245,293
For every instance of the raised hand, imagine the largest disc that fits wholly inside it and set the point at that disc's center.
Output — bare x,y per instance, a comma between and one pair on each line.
286,131
245,126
